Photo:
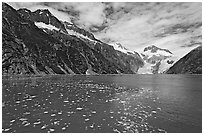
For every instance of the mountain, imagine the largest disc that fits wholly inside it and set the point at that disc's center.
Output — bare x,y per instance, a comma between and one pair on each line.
157,60
38,43
129,56
189,64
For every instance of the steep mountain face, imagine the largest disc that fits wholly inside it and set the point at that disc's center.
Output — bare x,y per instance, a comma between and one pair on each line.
38,43
131,57
189,64
156,60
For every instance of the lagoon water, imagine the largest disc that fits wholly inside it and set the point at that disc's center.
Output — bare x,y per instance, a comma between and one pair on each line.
102,104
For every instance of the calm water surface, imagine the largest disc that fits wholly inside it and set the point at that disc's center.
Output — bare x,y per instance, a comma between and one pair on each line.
106,103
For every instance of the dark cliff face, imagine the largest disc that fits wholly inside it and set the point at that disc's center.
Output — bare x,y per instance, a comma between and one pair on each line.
189,64
27,49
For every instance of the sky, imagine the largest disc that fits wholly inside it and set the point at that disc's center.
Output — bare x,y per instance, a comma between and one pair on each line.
136,25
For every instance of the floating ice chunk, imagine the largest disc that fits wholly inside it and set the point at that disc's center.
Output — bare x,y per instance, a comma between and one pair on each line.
52,115
122,102
66,101
26,113
26,124
23,119
63,128
116,130
7,129
93,112
56,122
45,112
60,112
161,130
33,96
17,102
87,119
158,108
91,126
79,108
154,112
111,111
12,121
44,126
37,123
52,129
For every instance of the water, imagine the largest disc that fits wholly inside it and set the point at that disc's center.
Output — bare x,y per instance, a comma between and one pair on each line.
106,103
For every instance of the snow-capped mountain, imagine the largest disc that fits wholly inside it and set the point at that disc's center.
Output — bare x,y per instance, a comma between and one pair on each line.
156,60
38,43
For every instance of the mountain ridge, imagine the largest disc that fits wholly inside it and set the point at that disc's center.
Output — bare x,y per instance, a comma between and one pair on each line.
191,63
42,49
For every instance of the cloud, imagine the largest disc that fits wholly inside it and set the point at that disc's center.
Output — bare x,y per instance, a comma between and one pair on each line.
85,14
91,14
18,5
167,25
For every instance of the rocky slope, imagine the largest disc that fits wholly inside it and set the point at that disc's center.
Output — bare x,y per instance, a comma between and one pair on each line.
129,56
156,60
38,43
189,64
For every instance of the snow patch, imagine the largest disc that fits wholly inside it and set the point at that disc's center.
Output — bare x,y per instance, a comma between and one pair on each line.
46,26
119,47
72,32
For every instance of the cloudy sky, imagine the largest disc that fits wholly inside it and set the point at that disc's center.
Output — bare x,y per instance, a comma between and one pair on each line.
175,26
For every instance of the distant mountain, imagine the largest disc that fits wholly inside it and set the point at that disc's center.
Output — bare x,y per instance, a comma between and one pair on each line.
189,64
156,60
38,43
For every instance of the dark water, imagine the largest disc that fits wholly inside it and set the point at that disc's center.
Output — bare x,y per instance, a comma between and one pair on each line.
106,103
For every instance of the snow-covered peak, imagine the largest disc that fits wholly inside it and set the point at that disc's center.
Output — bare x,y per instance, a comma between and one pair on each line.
119,47
46,26
155,51
157,60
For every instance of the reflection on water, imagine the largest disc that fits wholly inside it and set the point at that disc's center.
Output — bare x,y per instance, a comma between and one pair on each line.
108,103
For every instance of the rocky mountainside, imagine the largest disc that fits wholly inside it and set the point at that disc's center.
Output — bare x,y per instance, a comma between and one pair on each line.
38,43
130,56
189,64
156,60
